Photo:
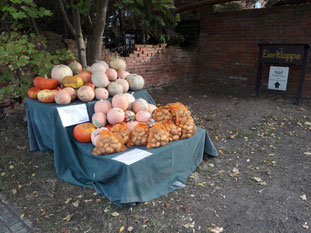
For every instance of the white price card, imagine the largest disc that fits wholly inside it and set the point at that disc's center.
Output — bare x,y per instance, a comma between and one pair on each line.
73,114
132,156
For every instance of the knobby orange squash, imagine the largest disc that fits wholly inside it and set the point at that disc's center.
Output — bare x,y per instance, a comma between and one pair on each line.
73,81
32,92
47,96
83,132
45,83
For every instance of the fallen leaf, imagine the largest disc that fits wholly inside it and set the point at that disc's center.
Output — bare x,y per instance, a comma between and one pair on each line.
122,229
201,184
76,204
303,197
211,165
190,224
68,200
259,181
11,166
130,229
80,196
106,210
33,174
305,226
68,217
185,207
43,212
21,147
115,214
14,191
22,216
308,123
167,204
215,229
307,153
2,173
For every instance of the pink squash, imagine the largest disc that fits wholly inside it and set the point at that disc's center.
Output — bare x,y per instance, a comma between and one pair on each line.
140,105
62,97
60,71
101,93
102,106
85,93
124,84
122,74
99,119
143,116
72,92
131,124
112,74
131,99
151,108
98,67
120,101
95,134
115,116
100,79
86,76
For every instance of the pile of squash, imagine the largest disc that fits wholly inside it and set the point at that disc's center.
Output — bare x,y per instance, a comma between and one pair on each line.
98,81
125,122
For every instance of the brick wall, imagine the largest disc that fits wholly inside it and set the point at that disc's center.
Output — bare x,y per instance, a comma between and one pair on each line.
159,64
228,46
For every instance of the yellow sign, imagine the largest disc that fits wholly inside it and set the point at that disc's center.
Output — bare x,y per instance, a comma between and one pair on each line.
279,54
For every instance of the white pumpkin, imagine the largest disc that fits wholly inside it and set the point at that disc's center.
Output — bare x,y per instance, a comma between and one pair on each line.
100,79
98,67
118,64
131,99
115,88
59,72
104,64
136,82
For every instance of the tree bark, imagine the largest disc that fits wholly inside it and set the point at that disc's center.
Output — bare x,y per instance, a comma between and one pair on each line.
200,4
95,42
79,35
67,21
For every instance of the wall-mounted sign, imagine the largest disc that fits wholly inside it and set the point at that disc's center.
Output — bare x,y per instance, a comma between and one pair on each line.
278,78
285,54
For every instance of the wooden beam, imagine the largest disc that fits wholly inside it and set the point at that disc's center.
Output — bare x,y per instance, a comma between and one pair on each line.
200,4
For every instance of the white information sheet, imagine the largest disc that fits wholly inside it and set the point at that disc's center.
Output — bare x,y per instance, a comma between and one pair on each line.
278,78
132,156
73,114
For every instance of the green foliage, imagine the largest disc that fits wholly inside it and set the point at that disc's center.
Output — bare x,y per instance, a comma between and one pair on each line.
153,18
22,58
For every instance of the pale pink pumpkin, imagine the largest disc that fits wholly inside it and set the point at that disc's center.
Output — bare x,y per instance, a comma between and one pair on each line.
59,72
131,99
100,79
85,93
102,106
112,74
98,67
120,101
151,108
143,116
95,134
101,93
123,74
140,105
99,119
115,116
72,92
62,97
124,84
131,124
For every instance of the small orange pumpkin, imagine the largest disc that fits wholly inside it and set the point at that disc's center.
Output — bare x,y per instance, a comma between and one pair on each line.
32,92
47,96
45,83
83,132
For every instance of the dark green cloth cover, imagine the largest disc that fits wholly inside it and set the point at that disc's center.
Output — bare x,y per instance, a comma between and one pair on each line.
165,170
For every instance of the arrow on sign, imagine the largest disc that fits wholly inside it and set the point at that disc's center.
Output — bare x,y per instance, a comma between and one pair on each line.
277,85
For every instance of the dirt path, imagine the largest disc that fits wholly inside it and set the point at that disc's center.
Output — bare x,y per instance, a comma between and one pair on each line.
260,182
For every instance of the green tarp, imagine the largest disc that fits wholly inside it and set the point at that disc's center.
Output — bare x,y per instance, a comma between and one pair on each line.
165,170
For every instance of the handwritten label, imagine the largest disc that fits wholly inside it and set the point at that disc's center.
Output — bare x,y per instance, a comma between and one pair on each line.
73,114
132,156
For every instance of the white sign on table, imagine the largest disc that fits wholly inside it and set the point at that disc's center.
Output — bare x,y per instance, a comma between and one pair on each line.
278,78
73,114
132,156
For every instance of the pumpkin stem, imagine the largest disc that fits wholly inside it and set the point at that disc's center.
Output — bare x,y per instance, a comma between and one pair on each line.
45,76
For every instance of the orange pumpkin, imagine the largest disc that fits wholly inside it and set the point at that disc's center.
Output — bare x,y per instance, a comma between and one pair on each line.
47,96
83,132
32,92
86,76
45,83
90,85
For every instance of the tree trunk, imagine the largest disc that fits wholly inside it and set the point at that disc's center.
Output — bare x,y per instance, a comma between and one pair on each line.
95,42
79,36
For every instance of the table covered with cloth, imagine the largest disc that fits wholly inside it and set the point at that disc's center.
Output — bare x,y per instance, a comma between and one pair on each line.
165,170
